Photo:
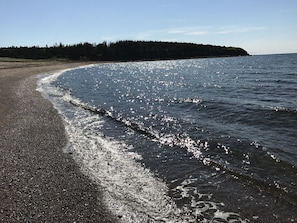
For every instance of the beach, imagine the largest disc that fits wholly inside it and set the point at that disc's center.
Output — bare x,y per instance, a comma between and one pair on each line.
164,141
38,181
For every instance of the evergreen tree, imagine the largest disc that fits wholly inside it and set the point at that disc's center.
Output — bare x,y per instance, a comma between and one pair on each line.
124,50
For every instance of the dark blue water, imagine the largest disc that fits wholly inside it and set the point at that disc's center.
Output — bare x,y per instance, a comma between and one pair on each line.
219,134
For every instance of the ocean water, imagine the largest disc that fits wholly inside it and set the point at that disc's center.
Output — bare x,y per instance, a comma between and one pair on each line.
201,140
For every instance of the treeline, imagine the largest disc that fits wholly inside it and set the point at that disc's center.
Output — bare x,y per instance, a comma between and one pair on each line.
122,51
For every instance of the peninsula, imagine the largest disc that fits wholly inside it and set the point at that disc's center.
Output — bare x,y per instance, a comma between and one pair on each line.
122,51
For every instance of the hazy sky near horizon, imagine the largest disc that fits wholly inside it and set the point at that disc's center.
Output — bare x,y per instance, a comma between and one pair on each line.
258,26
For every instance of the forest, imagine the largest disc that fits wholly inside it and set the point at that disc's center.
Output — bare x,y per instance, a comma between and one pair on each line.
126,50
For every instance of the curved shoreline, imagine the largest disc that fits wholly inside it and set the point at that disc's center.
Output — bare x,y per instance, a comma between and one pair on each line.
38,182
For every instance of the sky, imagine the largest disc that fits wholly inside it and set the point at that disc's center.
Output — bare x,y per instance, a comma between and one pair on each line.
258,26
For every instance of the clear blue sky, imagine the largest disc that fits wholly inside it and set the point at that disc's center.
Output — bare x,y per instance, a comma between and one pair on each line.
259,26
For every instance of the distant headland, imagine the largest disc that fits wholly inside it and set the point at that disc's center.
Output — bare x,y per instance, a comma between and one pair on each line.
126,50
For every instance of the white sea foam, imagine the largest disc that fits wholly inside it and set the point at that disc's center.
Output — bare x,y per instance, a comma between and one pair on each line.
130,191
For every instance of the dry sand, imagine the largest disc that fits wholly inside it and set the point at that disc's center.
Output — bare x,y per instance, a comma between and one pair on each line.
38,182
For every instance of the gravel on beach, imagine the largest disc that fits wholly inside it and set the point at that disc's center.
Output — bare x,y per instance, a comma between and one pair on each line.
38,182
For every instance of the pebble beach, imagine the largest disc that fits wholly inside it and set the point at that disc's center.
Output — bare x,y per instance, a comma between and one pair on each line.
38,181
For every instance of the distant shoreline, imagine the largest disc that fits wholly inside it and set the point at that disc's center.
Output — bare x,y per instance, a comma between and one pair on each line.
123,51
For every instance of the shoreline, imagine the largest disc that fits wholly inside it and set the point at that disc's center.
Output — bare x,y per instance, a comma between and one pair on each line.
38,181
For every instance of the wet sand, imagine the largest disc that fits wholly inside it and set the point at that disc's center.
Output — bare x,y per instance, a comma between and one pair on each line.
38,182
